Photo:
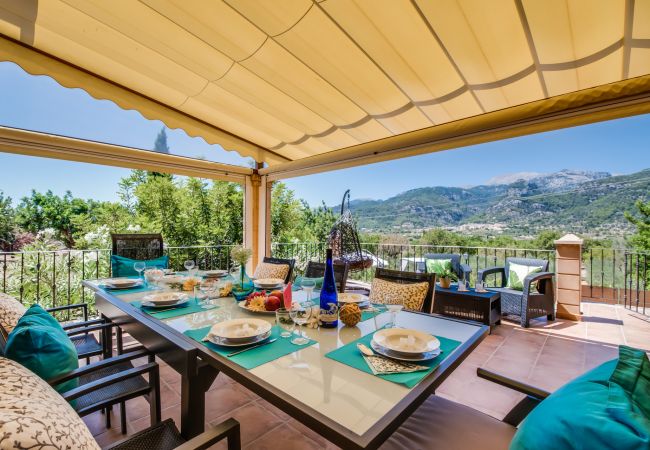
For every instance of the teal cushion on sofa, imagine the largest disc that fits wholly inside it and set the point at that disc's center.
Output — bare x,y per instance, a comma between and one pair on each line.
39,343
123,267
591,412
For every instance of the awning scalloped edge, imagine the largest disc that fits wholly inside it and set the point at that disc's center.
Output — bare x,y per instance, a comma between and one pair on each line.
38,63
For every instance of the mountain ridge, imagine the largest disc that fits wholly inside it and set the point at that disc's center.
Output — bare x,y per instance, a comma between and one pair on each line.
587,202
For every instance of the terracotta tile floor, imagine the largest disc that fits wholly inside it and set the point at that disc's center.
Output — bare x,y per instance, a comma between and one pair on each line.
546,355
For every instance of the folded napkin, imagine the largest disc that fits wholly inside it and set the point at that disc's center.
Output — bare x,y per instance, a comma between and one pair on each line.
383,366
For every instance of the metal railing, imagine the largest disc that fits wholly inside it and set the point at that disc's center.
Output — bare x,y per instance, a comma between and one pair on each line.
613,275
637,279
53,278
411,257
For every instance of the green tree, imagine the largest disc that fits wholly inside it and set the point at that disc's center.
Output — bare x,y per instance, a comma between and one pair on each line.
160,145
42,211
546,239
7,221
641,239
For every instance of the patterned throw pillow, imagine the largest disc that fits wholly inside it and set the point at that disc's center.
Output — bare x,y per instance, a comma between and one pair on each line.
268,270
517,274
11,310
33,415
410,295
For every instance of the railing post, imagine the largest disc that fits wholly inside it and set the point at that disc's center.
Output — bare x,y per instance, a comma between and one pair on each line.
568,256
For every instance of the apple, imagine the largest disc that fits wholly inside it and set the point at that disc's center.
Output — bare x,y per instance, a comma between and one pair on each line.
278,294
272,303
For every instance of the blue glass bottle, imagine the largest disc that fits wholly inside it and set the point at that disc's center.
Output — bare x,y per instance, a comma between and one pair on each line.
329,303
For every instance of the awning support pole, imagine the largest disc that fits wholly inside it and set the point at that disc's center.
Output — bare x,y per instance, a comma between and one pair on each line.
257,218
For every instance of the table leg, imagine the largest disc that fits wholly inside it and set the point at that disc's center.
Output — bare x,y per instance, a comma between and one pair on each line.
107,339
193,389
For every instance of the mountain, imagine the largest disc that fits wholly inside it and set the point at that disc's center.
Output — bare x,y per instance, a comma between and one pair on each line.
585,202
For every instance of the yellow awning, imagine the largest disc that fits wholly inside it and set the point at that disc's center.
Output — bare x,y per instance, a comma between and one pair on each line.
286,80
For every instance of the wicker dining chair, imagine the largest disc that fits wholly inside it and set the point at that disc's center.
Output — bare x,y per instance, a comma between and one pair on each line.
109,382
398,276
114,381
317,269
165,436
281,261
138,246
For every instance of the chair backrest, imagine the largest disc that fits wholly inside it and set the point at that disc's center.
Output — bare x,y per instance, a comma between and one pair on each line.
317,269
455,261
138,246
398,276
525,262
289,262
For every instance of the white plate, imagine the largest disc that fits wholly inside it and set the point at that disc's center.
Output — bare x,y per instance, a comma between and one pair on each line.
122,283
242,305
180,302
164,298
228,343
240,330
215,273
403,357
352,298
173,279
268,283
394,339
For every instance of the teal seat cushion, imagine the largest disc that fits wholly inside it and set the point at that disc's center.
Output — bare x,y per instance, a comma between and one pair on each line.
123,267
594,411
39,343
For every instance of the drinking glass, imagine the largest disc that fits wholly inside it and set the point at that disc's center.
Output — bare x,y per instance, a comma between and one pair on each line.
308,285
300,314
139,266
189,265
207,288
155,275
394,304
284,321
479,286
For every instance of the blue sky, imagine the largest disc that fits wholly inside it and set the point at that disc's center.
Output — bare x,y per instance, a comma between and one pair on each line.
39,103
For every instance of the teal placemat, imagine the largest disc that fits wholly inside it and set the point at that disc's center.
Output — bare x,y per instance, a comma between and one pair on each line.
126,291
255,357
366,315
191,307
350,355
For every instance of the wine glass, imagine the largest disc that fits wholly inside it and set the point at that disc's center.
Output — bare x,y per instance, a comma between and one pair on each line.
284,321
300,314
308,285
189,265
139,266
207,288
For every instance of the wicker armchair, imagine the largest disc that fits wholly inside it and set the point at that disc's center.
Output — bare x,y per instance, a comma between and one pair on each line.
138,246
526,304
165,436
461,270
287,262
317,269
397,276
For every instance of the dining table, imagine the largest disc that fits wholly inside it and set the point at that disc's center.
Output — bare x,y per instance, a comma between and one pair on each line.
321,384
